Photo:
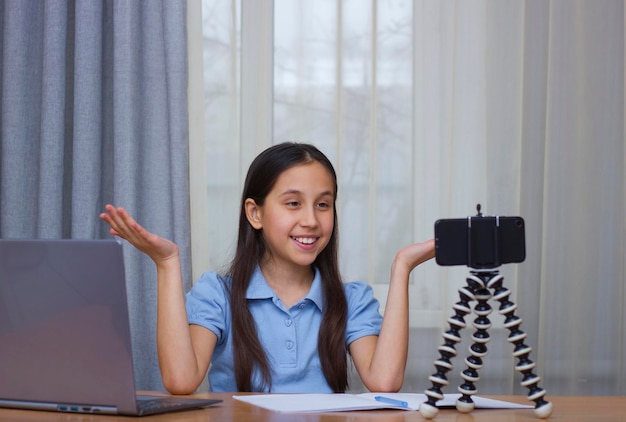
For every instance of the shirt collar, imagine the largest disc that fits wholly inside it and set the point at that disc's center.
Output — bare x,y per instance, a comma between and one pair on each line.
259,289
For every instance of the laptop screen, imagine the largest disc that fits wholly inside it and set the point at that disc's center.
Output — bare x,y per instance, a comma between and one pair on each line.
64,329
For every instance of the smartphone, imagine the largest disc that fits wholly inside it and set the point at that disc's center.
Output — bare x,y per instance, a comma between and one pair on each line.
480,242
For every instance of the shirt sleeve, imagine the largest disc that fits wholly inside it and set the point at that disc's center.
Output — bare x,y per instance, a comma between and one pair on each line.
364,317
208,306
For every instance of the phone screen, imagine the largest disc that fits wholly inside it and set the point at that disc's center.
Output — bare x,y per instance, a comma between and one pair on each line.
451,237
479,242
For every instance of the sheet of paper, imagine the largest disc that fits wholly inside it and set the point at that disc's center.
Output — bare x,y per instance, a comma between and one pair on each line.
314,402
449,400
307,403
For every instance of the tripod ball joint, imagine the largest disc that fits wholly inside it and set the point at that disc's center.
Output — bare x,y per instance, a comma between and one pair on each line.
464,405
543,411
428,411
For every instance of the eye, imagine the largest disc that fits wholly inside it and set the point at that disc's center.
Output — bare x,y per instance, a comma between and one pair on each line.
292,204
323,205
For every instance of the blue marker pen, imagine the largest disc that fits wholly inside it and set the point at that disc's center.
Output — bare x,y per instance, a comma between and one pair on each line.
391,401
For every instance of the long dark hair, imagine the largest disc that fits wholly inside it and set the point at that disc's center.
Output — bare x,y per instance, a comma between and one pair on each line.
247,350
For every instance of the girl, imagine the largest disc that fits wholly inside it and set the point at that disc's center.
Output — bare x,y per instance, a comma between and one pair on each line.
280,319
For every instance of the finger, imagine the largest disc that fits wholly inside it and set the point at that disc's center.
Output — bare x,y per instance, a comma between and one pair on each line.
111,219
122,219
112,226
121,223
131,230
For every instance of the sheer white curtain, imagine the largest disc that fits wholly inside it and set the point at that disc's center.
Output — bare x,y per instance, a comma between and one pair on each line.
428,108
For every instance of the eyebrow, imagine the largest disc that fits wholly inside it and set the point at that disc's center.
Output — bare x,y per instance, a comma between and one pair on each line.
297,192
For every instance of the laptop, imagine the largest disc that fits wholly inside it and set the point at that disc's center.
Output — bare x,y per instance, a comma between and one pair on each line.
65,342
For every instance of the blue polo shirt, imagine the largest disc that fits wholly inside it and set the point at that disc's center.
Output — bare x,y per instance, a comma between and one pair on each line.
288,335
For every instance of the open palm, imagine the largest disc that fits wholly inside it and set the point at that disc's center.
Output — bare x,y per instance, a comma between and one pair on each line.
123,225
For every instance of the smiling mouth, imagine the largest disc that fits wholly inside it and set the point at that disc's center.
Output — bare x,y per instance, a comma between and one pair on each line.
305,240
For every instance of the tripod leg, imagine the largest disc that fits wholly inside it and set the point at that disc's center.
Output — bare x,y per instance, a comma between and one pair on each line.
478,350
525,366
447,351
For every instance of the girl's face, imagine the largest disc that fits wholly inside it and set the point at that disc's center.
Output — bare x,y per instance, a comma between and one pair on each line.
297,217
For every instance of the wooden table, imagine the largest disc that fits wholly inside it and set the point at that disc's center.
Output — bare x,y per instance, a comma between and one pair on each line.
566,408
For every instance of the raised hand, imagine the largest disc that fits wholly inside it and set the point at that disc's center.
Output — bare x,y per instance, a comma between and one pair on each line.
124,226
415,254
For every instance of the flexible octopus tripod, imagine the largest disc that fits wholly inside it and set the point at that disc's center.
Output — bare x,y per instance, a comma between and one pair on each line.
479,284
477,289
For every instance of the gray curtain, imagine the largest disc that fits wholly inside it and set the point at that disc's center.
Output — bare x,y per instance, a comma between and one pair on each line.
93,110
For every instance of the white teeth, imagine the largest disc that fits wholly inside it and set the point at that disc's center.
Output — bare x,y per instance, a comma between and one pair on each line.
305,240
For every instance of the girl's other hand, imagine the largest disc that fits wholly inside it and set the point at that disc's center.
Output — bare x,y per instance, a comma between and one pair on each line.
415,254
124,226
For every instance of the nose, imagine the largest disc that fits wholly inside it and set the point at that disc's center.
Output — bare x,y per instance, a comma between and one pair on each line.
308,218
